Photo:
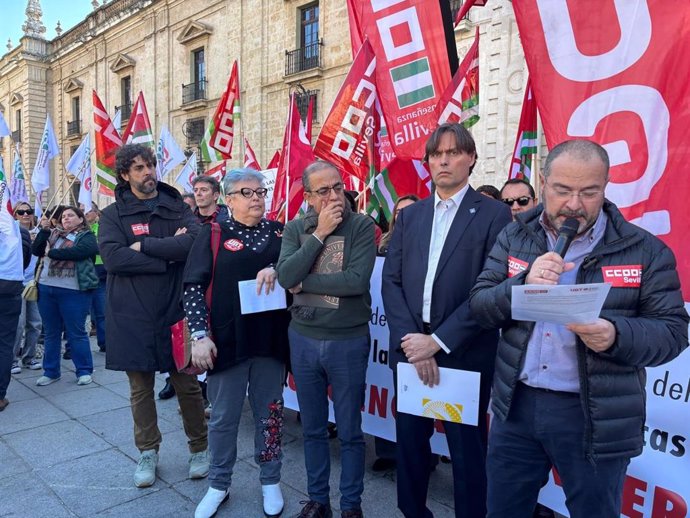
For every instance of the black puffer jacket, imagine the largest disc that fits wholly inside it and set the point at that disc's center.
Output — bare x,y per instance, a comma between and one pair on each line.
144,289
651,327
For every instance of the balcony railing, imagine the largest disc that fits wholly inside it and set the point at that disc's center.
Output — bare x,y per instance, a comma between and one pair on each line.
17,136
193,129
194,92
73,128
125,111
302,59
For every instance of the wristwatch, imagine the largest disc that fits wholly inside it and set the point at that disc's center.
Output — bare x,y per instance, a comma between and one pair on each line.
198,335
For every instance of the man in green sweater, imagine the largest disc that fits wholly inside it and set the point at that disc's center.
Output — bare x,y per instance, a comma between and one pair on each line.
326,261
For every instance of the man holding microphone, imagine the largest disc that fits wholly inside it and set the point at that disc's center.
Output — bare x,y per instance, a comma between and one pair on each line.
574,396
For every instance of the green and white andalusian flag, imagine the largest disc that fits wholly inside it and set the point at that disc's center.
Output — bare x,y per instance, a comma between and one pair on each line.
526,141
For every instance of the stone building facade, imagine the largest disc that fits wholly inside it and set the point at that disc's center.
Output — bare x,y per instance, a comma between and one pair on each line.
179,53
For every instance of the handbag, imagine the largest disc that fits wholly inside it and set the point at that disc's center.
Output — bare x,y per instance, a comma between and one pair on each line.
181,342
30,292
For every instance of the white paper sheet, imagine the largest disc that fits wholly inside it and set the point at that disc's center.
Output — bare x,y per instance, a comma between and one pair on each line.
561,304
455,398
250,302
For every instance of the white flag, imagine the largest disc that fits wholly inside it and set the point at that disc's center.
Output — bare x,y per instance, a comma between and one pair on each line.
38,212
47,150
168,154
117,121
18,185
187,175
80,166
4,129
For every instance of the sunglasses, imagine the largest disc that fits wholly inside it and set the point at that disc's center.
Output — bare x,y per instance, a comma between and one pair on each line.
522,201
24,212
248,193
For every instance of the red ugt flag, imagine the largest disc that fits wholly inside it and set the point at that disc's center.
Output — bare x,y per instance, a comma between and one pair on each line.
138,130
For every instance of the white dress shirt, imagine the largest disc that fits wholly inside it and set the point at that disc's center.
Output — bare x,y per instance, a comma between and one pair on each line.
444,214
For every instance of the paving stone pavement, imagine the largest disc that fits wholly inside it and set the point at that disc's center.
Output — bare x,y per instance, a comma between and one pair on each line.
68,451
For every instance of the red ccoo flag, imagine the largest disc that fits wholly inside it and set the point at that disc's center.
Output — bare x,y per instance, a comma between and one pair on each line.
296,155
222,127
526,140
107,141
138,130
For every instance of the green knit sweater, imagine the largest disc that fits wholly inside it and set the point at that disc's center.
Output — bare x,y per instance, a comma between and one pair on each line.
351,285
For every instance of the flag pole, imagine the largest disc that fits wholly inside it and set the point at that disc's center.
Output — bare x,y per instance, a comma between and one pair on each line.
62,198
287,169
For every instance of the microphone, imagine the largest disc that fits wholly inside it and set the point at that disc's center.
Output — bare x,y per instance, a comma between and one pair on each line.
565,236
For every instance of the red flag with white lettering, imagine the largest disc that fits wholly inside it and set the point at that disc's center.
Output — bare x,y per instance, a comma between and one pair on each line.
250,160
626,89
412,67
107,142
296,156
138,130
348,133
460,100
223,124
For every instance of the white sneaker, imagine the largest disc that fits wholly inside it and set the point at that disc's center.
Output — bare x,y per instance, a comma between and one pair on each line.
273,500
45,380
84,380
16,368
211,502
145,474
199,464
34,365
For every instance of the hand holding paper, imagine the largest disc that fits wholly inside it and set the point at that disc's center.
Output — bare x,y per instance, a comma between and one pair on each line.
598,336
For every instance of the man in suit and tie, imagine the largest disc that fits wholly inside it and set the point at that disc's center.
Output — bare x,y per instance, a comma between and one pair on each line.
437,251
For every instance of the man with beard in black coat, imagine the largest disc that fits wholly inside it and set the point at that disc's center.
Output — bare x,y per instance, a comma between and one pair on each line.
144,239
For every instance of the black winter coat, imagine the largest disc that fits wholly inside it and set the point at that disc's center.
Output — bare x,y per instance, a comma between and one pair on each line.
144,289
651,327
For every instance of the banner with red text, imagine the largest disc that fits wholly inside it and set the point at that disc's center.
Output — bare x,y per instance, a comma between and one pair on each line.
412,68
620,78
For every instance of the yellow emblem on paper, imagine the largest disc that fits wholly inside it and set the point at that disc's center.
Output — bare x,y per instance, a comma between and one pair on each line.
442,410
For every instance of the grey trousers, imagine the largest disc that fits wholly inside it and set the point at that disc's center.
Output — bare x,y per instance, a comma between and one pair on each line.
29,328
262,379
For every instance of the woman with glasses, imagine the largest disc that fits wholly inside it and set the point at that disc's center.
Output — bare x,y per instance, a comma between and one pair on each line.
29,327
65,288
244,354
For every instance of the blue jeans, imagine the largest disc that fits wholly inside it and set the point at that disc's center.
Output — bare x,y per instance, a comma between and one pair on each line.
10,307
343,365
261,380
544,429
98,313
64,307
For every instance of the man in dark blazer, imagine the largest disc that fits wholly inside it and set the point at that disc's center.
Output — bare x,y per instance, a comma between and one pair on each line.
437,251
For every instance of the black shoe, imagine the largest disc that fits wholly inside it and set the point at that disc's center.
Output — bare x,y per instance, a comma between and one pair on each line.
352,513
382,464
332,431
67,355
168,391
543,512
101,347
315,510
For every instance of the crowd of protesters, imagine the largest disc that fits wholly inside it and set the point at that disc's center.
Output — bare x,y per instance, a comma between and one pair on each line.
154,259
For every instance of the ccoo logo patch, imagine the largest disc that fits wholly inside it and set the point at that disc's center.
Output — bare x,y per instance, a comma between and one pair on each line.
515,266
234,245
623,276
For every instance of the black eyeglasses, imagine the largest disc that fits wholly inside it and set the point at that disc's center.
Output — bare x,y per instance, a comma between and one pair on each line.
522,201
24,212
325,191
248,193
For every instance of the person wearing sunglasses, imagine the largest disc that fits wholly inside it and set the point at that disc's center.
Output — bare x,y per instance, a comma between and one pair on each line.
519,195
326,260
29,327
